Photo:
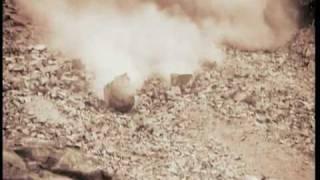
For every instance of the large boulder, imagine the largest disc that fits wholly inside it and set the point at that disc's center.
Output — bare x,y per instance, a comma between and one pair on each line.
13,166
44,161
119,94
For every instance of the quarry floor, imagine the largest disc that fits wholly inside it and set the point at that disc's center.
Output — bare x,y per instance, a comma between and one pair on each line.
250,117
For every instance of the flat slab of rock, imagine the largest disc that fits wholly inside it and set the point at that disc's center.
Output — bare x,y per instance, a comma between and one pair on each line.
180,79
48,162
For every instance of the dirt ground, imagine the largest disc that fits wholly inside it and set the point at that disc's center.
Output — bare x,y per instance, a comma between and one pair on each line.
250,117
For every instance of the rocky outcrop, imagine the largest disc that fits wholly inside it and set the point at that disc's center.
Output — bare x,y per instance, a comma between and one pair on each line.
48,162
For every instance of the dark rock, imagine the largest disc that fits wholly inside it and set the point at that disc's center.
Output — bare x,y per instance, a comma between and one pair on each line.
119,94
180,79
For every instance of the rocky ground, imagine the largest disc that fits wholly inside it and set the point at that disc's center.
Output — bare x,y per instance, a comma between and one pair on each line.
250,118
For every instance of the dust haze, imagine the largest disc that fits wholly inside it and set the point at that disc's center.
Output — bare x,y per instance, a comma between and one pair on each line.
141,37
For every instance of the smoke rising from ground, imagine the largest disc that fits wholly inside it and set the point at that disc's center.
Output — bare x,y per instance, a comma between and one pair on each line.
141,37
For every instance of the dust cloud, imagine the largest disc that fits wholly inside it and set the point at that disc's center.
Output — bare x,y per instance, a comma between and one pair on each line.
141,37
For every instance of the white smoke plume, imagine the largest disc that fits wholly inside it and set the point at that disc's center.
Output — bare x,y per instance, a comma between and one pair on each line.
141,37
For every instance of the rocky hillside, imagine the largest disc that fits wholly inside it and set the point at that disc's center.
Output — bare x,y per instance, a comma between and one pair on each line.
250,118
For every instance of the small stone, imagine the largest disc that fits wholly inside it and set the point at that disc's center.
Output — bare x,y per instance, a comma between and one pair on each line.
239,96
33,165
61,94
25,131
40,136
250,100
16,68
44,80
69,79
308,52
174,91
77,64
249,177
39,47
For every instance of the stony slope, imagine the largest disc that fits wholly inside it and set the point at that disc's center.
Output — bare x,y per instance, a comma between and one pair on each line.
252,115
